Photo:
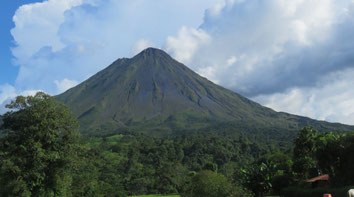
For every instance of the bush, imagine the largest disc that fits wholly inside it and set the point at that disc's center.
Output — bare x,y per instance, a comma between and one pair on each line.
209,184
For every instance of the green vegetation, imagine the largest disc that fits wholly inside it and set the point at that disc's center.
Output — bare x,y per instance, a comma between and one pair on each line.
208,183
328,153
149,165
45,157
314,153
41,154
38,150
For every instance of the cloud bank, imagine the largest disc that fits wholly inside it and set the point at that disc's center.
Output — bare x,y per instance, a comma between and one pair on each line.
332,101
284,54
277,44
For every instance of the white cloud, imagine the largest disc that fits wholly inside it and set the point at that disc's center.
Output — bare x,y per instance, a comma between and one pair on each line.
331,102
285,54
218,7
42,20
65,84
74,39
187,42
6,91
278,44
141,45
209,72
29,92
231,60
300,29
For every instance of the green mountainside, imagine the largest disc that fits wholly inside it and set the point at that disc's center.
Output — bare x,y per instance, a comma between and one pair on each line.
154,93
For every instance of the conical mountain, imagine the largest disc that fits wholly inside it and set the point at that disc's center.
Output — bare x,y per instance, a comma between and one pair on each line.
152,91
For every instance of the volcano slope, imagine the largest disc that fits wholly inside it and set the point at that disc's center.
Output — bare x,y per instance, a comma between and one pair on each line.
155,94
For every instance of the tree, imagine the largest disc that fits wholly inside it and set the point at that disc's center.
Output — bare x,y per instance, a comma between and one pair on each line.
304,153
328,152
38,149
258,178
209,184
345,170
282,171
335,156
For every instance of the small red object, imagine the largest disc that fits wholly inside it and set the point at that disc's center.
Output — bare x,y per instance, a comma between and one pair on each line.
327,195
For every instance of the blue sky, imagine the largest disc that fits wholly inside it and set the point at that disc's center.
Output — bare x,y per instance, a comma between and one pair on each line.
294,56
7,11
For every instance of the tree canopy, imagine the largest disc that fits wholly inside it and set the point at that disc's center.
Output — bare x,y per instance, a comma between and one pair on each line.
38,147
209,184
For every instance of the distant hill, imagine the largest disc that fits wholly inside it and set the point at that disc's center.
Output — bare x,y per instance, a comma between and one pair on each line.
153,93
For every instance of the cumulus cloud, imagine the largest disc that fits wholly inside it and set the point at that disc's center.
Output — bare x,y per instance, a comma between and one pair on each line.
74,39
331,102
187,42
42,20
281,53
278,44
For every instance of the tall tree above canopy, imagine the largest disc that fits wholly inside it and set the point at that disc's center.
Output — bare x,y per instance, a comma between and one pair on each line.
304,153
38,147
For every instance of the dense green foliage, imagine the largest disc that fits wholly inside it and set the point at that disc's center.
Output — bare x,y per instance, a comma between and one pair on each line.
209,184
304,152
258,178
38,149
41,154
315,153
325,153
139,164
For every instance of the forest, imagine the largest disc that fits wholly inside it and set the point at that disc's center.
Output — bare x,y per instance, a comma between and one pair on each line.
43,154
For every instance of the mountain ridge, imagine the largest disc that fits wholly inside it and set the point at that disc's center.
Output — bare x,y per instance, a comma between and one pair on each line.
154,89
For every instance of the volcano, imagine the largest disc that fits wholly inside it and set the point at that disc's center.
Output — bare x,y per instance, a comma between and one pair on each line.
154,93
